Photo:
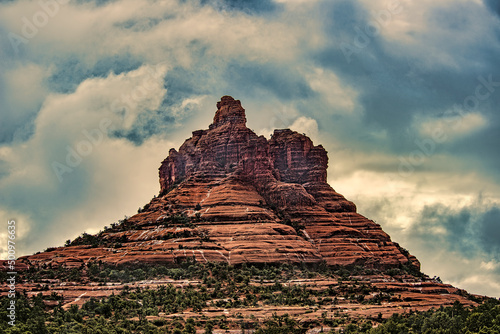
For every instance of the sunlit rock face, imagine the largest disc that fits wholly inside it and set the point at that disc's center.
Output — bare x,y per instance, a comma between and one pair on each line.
230,195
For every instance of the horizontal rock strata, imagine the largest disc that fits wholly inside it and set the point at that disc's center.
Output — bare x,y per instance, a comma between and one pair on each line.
230,195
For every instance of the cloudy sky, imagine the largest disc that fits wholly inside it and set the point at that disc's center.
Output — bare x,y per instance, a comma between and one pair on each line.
403,94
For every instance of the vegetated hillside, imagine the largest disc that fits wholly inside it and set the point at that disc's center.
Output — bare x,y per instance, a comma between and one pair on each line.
216,297
246,234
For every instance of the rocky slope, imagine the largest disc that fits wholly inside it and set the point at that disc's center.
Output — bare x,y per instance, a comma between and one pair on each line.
231,204
401,295
230,195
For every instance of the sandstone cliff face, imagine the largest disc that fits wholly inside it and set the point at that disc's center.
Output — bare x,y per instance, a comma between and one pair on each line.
230,195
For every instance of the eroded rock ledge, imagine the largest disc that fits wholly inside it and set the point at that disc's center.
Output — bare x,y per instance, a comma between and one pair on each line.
230,195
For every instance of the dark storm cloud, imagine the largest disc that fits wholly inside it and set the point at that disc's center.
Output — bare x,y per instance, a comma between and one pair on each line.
481,148
7,52
148,124
246,6
182,83
490,232
258,7
256,78
16,128
394,87
18,122
472,230
70,72
140,25
494,5
4,169
388,96
96,2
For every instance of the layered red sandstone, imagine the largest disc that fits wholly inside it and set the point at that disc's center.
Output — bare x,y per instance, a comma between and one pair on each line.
250,200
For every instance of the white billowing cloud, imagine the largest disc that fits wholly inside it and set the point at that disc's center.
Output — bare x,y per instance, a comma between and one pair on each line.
390,19
159,30
480,284
66,120
397,201
119,98
25,86
111,176
307,126
490,265
470,272
340,98
180,111
275,115
123,178
425,26
287,118
451,127
462,272
20,231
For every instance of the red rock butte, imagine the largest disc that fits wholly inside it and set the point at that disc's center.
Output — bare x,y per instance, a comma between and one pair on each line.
230,195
